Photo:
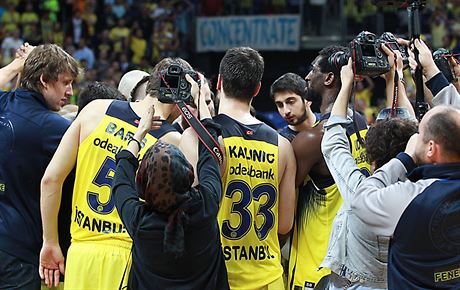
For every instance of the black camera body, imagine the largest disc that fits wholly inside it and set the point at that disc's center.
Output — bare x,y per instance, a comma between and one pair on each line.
174,86
389,39
369,58
441,59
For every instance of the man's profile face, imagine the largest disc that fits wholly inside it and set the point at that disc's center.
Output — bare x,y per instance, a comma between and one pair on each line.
315,83
291,107
57,93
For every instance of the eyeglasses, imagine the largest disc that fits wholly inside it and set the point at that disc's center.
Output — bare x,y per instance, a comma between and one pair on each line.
139,83
401,113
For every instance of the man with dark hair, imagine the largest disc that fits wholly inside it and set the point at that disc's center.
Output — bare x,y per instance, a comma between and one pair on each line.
102,129
319,199
30,133
289,92
97,91
258,177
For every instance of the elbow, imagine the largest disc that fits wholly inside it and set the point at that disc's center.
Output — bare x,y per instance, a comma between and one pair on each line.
284,227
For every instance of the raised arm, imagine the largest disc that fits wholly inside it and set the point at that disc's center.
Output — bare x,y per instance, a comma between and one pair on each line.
335,145
8,72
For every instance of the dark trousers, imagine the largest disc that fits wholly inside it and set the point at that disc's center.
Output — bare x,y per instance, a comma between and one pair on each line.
17,274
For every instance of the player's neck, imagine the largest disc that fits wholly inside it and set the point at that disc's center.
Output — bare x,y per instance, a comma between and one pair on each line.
161,109
238,110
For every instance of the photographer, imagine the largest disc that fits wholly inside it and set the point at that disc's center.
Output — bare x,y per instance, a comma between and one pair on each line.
176,240
357,251
443,92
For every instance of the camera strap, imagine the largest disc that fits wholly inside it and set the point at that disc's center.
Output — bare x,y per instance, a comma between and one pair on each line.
205,137
395,87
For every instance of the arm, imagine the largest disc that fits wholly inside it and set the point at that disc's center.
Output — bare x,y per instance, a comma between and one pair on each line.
124,187
335,145
287,197
402,99
8,72
60,166
307,151
210,183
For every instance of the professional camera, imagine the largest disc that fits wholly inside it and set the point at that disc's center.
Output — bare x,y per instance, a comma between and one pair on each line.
441,59
369,58
174,86
389,39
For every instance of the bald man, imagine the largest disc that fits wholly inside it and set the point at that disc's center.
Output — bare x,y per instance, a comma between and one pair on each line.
133,85
421,214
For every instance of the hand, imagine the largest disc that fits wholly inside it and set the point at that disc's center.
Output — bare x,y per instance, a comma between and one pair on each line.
426,59
195,90
411,147
147,123
23,52
346,73
51,264
391,60
455,65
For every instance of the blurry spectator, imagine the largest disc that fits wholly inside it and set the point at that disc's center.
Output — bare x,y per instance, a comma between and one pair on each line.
165,40
183,23
120,36
124,62
11,18
58,34
29,20
46,25
77,28
214,7
102,64
138,46
105,44
119,9
9,46
109,20
52,6
279,6
90,18
85,53
438,28
245,7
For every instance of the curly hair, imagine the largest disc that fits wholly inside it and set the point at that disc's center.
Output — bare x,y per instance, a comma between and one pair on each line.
385,139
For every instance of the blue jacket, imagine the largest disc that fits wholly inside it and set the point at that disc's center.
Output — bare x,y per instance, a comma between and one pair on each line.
29,136
425,249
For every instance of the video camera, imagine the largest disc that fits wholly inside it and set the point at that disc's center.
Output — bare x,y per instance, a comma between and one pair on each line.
441,59
174,86
369,58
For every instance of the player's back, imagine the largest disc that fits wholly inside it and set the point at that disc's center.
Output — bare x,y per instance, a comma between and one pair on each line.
248,215
94,216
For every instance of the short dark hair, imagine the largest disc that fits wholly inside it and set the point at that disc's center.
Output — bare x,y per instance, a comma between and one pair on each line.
444,128
289,82
241,70
97,90
323,62
153,85
386,138
49,61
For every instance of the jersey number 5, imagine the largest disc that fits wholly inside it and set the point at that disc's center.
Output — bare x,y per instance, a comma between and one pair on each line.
103,178
240,208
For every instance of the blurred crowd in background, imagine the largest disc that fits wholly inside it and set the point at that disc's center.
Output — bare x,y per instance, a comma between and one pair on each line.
110,37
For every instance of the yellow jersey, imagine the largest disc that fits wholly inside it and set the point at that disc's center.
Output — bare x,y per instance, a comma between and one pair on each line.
248,214
318,202
94,216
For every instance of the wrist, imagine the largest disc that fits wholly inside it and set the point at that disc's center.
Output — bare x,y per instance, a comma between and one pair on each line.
136,140
430,71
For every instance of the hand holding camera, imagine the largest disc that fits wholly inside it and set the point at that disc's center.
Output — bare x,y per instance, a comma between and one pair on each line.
174,87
